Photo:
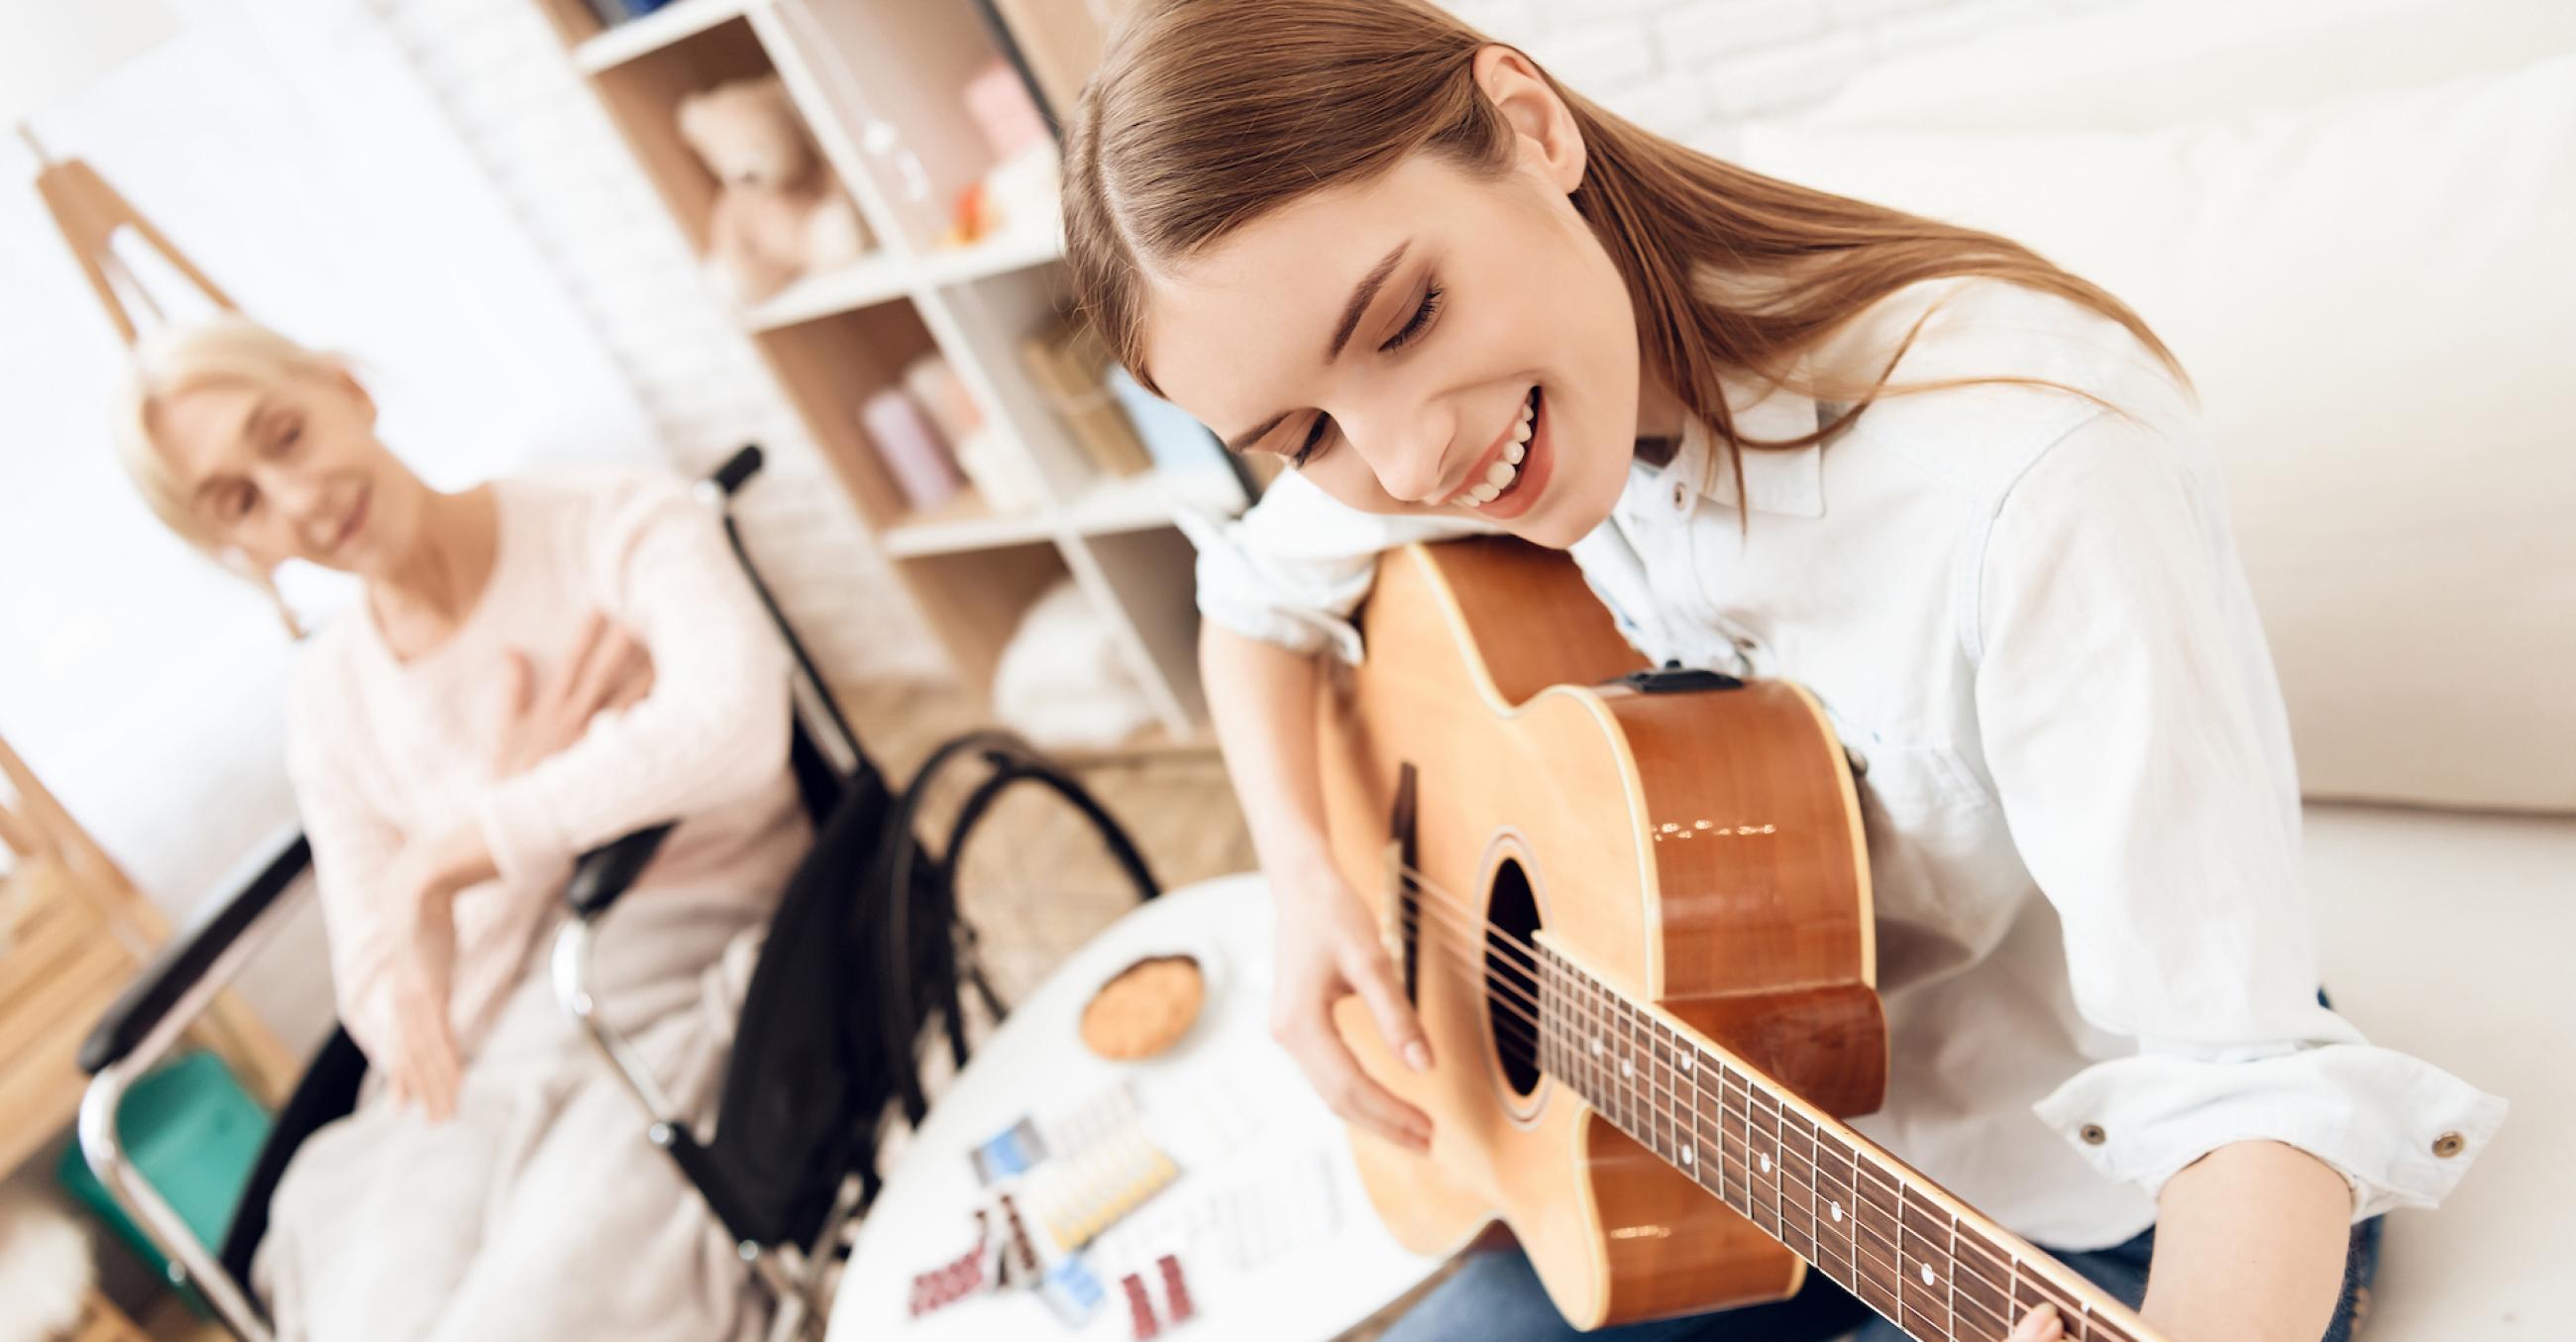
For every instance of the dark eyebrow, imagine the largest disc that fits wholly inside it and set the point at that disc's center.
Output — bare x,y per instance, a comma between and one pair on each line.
1360,297
1368,286
251,421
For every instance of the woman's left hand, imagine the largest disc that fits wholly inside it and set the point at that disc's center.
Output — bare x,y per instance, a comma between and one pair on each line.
2039,1325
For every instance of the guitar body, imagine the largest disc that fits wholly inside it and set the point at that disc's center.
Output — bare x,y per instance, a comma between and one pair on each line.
1700,850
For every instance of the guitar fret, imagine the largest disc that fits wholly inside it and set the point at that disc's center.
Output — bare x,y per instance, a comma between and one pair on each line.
1843,1205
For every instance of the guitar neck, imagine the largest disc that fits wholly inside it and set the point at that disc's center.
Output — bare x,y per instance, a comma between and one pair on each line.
1933,1265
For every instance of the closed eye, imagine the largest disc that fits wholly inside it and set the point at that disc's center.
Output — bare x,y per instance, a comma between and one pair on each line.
1420,321
1314,441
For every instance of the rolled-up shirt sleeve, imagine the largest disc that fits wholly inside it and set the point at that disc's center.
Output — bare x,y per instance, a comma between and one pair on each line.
1293,569
2133,727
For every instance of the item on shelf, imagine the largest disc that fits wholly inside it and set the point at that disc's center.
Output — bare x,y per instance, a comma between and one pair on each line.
1004,112
45,1270
1060,42
943,395
1026,181
615,12
1146,1009
1062,681
1172,438
1023,188
1071,367
779,211
988,464
911,448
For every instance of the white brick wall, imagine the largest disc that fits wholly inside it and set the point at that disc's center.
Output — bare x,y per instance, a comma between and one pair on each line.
1683,67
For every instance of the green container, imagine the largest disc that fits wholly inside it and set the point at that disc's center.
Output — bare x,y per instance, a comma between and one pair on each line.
194,1134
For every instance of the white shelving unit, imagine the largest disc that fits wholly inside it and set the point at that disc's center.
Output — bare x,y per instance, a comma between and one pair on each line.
879,84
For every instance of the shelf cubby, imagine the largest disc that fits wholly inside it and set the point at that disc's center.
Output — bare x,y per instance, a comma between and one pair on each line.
879,84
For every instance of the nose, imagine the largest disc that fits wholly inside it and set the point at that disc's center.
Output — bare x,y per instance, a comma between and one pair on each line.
300,495
1406,447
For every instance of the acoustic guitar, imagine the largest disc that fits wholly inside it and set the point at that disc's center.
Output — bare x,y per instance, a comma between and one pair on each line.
1633,910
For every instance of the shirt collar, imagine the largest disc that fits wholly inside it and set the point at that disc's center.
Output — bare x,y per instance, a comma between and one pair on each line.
1789,481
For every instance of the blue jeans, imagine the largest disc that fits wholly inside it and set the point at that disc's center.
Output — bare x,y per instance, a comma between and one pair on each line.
1495,1297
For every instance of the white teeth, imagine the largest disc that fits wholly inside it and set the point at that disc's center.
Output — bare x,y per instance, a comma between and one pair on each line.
1500,475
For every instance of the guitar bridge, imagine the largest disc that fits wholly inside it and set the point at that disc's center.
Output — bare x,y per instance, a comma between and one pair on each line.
1675,678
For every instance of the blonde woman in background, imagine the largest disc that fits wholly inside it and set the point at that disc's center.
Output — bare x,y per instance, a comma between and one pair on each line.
534,667
1963,496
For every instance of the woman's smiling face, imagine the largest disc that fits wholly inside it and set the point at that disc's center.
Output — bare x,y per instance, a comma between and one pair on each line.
291,469
1435,340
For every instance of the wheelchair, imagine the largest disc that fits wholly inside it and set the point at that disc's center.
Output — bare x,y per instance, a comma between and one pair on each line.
870,924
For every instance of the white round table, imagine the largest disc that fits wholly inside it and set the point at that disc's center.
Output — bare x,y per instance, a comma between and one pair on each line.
1267,1216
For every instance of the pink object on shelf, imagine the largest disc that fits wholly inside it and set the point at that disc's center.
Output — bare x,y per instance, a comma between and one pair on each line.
934,384
1003,110
911,449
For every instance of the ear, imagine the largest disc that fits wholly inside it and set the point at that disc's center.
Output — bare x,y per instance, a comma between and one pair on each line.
1550,142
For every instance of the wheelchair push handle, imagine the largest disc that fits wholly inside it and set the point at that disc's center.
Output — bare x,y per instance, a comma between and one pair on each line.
605,872
738,468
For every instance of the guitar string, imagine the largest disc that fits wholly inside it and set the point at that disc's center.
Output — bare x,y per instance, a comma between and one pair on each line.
1449,913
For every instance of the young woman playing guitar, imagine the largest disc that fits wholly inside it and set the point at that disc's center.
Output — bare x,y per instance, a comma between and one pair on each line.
1961,496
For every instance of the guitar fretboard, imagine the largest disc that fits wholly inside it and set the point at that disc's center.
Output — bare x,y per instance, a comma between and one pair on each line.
1836,1199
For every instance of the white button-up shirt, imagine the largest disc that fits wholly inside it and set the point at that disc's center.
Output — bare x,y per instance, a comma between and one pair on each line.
2025,615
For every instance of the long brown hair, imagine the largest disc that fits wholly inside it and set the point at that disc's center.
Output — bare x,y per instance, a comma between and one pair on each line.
1207,114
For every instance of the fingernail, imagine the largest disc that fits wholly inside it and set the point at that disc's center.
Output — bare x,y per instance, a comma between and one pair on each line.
1417,1056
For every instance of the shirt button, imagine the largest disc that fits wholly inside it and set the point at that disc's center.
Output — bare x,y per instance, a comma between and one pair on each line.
2092,1134
1680,495
2449,1144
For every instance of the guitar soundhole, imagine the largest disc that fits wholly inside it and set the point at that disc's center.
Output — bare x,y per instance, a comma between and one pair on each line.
1512,977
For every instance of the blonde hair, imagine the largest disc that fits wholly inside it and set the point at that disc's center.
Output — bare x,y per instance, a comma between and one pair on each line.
1207,114
224,349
